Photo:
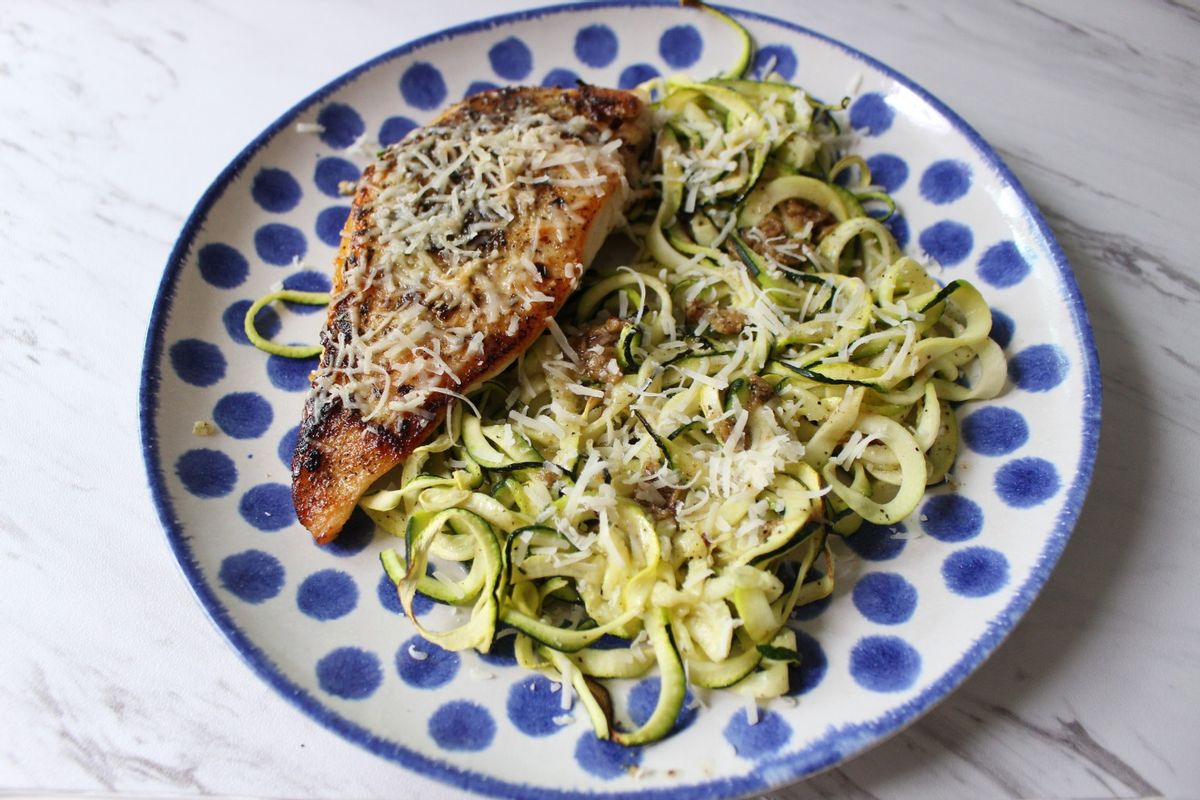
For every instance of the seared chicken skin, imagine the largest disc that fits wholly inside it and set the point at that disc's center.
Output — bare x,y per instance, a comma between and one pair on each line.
464,239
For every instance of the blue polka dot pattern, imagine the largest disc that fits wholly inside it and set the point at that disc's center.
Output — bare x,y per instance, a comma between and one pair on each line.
510,59
342,125
562,78
479,86
287,446
884,664
644,697
804,677
764,737
290,374
633,75
350,673
266,321
206,473
330,172
846,176
197,362
596,45
610,642
775,58
1039,368
389,598
243,415
885,598
871,113
1027,482
252,575
606,759
787,574
307,281
268,507
947,242
394,129
898,225
888,171
424,665
532,706
502,653
329,226
357,533
279,244
992,434
1002,265
995,431
222,266
1002,328
812,610
945,181
680,46
462,726
423,86
975,571
328,594
275,190
951,518
877,542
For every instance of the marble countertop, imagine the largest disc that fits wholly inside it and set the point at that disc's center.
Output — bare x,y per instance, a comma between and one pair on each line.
115,116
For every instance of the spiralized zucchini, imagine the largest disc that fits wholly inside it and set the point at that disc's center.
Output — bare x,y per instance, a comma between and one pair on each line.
670,464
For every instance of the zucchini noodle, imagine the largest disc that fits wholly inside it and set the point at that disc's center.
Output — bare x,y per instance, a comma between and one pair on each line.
274,348
669,462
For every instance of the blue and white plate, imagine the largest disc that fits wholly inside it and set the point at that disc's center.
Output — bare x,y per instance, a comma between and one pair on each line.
916,608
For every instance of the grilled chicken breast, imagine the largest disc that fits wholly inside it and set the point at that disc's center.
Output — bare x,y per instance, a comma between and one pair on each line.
464,239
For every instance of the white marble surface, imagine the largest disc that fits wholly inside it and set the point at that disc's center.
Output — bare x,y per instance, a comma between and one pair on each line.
115,116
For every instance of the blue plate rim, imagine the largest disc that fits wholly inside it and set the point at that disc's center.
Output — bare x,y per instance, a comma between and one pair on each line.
837,744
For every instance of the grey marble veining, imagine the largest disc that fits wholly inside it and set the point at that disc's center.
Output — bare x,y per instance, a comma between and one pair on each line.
111,678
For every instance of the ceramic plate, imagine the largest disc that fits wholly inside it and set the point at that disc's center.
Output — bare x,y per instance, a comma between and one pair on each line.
917,606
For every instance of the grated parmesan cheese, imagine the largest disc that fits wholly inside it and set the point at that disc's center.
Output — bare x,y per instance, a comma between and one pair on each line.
447,204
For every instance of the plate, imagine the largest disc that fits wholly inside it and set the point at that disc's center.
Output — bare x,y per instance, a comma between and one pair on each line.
917,607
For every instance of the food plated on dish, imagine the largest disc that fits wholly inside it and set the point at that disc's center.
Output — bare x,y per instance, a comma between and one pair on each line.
674,443
463,242
664,463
